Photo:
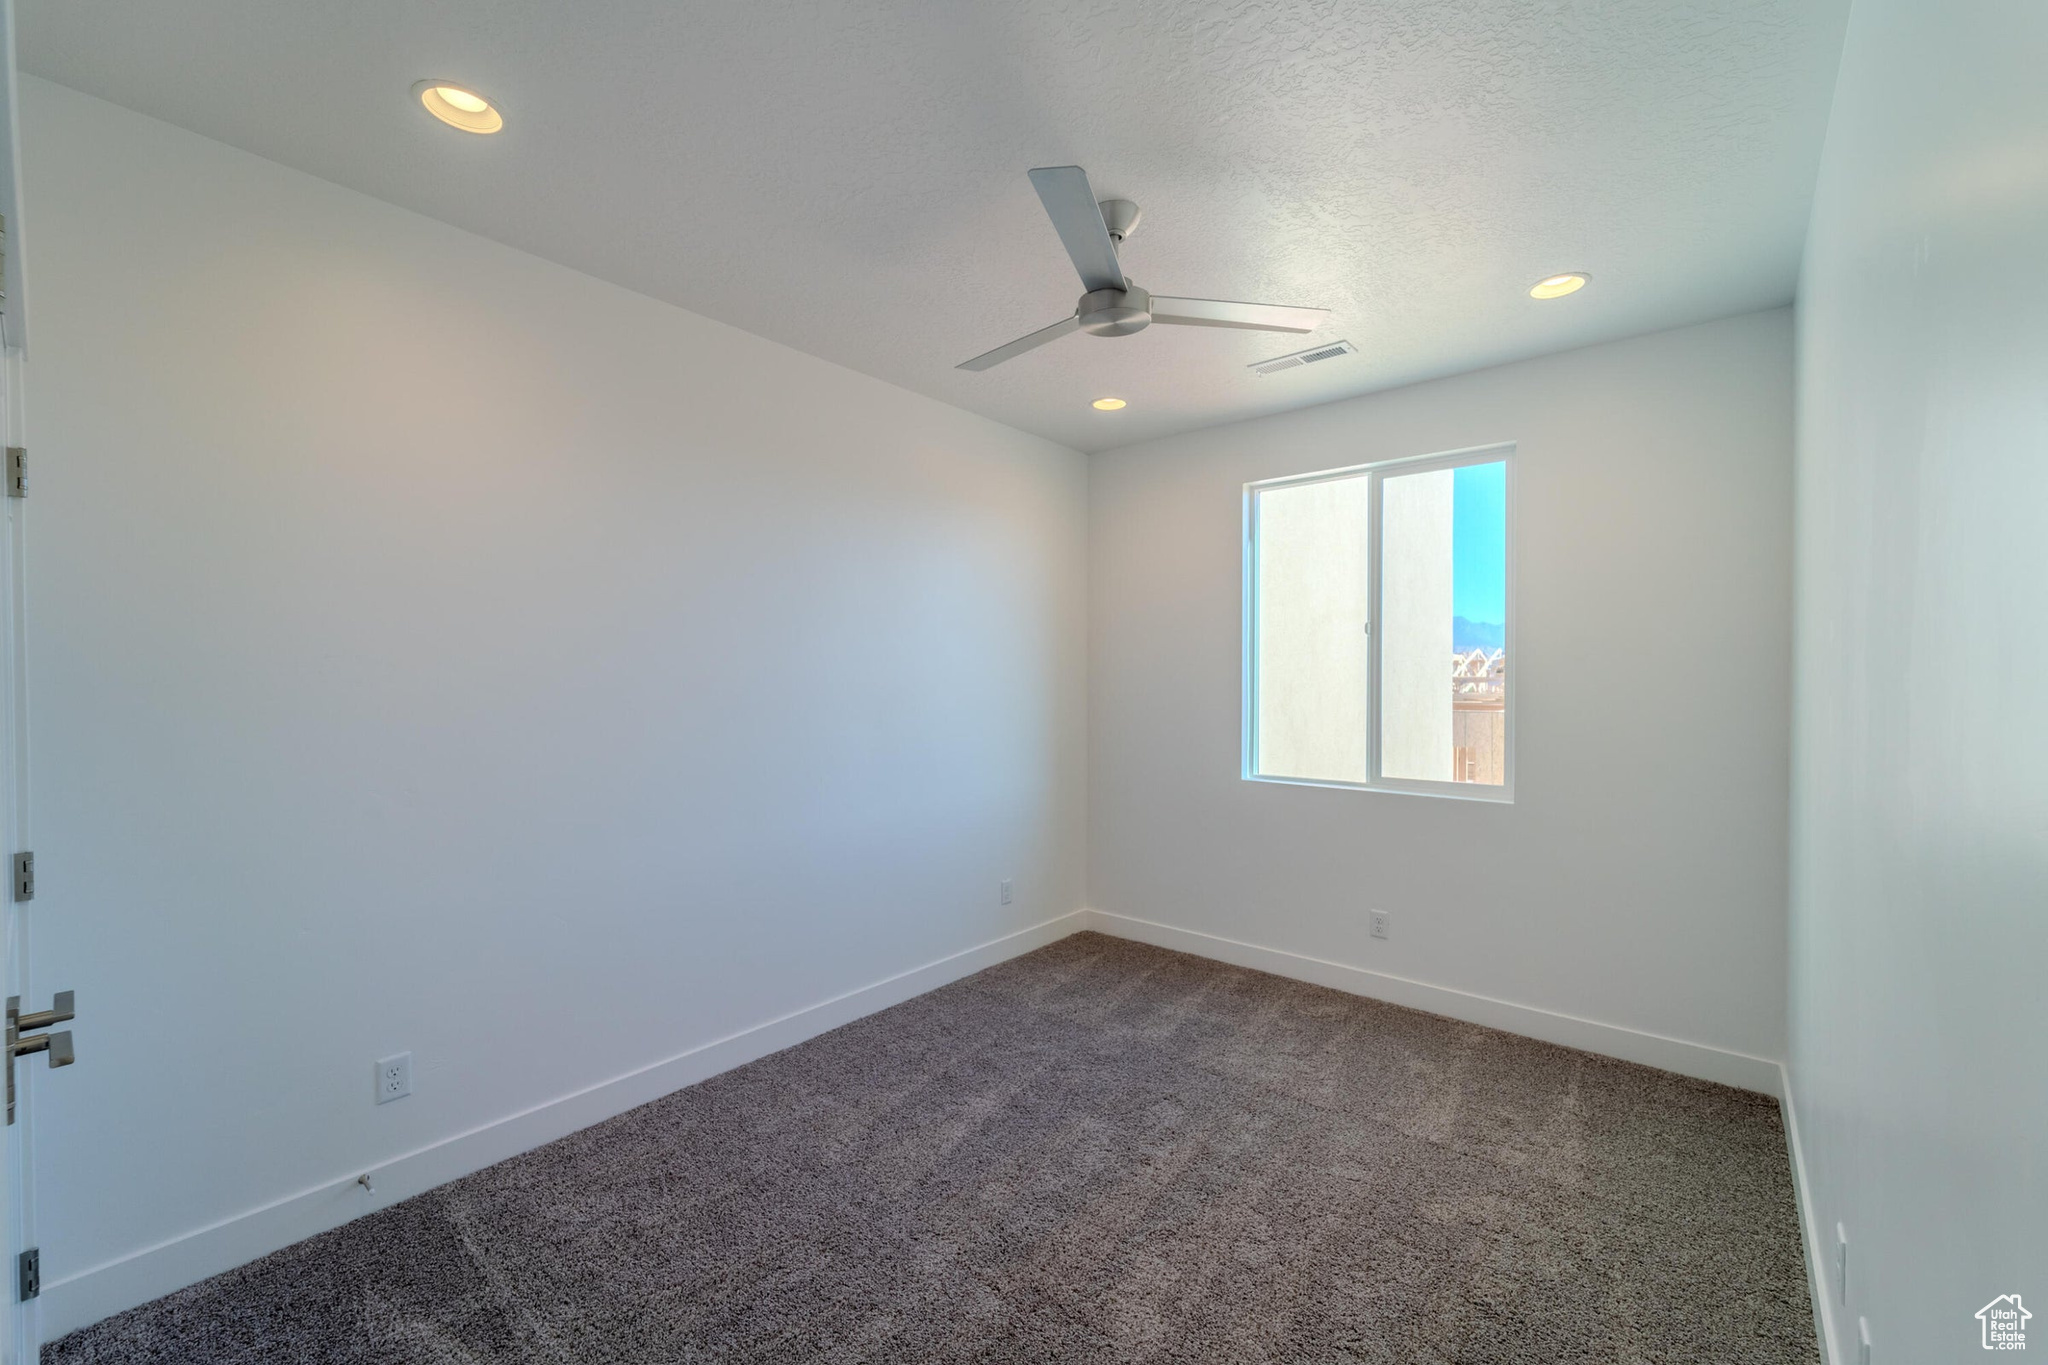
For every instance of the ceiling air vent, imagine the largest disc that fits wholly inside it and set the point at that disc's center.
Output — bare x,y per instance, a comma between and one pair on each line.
1301,358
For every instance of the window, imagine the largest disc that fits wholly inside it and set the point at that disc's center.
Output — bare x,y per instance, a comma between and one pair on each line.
1379,624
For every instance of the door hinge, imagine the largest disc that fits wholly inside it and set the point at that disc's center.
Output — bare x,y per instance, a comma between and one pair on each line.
24,876
29,1274
17,471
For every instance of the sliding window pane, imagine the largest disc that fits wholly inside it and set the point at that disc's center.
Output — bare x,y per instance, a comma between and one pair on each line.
1443,604
1310,611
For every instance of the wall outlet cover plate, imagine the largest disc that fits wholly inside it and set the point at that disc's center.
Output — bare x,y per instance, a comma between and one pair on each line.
394,1077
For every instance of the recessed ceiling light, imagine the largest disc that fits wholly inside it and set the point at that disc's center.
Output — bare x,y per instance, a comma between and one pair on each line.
1557,286
459,107
1108,404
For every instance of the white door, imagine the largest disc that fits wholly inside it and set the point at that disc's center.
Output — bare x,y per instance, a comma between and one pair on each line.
20,1339
17,1206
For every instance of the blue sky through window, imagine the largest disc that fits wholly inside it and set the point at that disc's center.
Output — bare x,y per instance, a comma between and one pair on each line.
1479,539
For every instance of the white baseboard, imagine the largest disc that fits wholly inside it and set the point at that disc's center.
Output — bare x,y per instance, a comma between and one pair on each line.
85,1297
1810,1229
1631,1045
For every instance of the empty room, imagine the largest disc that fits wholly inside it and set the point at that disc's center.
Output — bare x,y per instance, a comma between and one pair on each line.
1168,682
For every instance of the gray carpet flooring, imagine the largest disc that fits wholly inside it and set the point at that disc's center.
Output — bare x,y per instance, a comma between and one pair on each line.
1097,1152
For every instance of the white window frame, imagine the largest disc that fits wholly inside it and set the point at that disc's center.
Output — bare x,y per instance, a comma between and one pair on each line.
1378,472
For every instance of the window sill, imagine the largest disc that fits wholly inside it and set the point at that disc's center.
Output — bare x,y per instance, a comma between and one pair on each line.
1447,791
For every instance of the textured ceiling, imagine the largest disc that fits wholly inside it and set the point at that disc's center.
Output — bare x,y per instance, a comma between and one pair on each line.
848,178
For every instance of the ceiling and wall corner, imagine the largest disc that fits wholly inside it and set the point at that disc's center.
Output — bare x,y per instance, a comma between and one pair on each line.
849,179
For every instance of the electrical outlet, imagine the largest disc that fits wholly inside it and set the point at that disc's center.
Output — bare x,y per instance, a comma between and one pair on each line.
1841,1265
1862,1341
1381,923
1007,892
394,1078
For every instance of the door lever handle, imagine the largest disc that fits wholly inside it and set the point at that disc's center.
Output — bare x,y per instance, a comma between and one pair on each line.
63,1009
58,1045
25,1038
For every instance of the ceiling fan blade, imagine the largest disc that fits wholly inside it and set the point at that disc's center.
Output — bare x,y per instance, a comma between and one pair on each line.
1071,205
1258,317
1021,345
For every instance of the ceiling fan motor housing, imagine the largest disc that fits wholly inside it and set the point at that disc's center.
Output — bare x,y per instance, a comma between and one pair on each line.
1120,216
1115,312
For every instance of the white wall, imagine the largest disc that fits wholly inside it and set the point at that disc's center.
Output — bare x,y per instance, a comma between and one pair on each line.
1639,877
1919,1034
436,649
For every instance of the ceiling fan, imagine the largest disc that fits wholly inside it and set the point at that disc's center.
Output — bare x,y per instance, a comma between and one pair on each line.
1113,306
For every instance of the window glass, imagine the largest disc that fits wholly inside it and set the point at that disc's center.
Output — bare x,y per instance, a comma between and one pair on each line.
1443,609
1417,611
1312,581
